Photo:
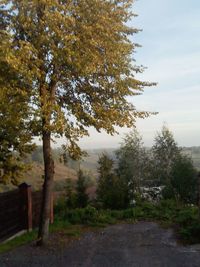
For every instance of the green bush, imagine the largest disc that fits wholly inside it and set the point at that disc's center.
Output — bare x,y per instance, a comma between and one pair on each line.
82,216
167,210
134,213
188,224
168,204
129,214
148,209
190,233
58,224
117,214
184,179
60,207
187,216
106,218
90,214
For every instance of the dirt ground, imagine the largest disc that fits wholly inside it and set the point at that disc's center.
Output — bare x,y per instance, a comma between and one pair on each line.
143,244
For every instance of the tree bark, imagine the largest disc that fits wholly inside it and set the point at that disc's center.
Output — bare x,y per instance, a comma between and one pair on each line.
43,232
47,189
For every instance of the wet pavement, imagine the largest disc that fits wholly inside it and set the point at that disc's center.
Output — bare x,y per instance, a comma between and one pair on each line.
144,244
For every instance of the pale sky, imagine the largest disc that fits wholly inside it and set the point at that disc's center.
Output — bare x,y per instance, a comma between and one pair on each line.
171,51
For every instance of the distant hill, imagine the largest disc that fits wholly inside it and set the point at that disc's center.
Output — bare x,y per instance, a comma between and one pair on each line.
194,153
89,165
34,177
91,161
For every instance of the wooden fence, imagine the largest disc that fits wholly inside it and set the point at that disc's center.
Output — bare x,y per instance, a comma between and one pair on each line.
20,210
10,219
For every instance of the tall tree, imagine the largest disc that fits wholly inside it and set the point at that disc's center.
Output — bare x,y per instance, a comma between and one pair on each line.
133,161
15,133
70,194
165,151
77,57
184,180
82,197
111,190
174,169
105,170
15,137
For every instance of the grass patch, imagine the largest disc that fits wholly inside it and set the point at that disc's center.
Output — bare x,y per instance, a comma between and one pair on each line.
18,241
73,232
59,225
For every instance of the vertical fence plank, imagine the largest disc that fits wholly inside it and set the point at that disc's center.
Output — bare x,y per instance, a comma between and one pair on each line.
26,206
29,207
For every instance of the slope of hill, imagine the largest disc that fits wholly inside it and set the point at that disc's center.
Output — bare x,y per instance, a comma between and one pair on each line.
91,161
34,177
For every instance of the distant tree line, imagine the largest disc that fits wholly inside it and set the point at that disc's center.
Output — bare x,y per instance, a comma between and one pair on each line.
163,165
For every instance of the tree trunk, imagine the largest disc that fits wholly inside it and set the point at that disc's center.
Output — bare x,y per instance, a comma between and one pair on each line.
47,189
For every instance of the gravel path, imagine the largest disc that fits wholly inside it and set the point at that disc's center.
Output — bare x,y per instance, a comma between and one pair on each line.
143,244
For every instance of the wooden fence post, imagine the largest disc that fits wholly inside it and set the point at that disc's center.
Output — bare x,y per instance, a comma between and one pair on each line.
26,205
